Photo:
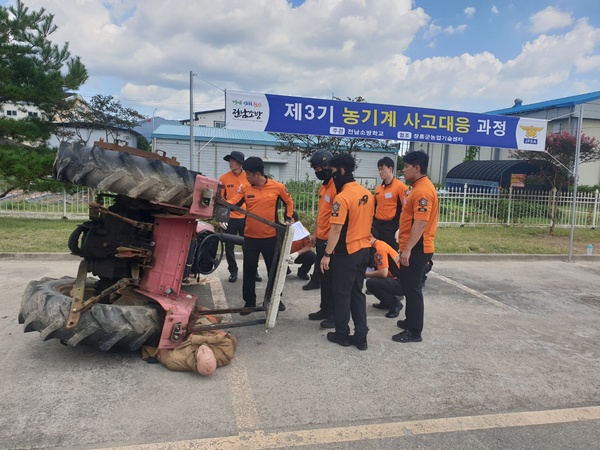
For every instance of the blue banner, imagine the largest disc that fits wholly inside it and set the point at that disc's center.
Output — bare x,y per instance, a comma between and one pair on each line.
300,115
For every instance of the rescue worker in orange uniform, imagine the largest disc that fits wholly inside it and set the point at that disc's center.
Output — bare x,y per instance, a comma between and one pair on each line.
231,182
380,281
418,226
319,161
348,251
260,196
389,198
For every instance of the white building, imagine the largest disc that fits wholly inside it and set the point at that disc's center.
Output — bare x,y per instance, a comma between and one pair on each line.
210,145
214,118
80,132
562,115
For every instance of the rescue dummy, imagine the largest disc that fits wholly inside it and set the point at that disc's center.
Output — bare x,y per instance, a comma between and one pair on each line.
201,352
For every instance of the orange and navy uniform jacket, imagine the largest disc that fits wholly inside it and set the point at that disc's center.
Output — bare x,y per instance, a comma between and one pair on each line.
300,243
389,200
262,201
353,208
421,204
380,258
232,183
327,193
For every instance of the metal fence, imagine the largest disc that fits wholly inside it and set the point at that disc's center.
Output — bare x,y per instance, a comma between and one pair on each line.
517,207
465,206
47,205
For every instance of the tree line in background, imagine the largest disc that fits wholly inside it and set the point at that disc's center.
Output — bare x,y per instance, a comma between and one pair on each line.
36,72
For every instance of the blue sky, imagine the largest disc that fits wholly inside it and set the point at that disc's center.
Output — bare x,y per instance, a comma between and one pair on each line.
500,27
461,55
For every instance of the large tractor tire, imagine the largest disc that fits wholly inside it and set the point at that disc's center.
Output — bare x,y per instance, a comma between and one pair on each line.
124,173
45,308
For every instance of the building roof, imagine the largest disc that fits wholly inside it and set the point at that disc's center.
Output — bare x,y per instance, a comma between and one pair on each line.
487,170
564,102
215,135
225,135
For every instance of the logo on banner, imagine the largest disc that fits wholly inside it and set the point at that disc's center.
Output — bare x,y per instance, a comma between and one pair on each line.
531,133
246,111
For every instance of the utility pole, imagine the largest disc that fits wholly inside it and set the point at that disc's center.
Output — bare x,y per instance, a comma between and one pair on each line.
575,181
191,120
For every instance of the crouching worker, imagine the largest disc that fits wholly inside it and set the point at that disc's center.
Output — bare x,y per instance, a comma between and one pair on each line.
201,352
380,281
301,251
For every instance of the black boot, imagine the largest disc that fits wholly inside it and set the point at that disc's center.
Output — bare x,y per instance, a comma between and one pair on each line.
233,275
341,339
359,340
394,310
312,284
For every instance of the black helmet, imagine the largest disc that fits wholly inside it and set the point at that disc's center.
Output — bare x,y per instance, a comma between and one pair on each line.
320,158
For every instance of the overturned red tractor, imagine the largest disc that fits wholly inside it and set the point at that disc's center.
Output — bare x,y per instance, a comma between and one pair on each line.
144,237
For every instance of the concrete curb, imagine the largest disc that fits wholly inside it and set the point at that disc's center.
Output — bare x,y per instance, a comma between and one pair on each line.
437,257
38,256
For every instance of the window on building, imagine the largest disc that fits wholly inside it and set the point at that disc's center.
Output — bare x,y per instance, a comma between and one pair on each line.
32,114
11,112
219,124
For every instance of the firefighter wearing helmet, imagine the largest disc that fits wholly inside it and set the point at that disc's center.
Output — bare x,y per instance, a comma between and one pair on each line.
319,161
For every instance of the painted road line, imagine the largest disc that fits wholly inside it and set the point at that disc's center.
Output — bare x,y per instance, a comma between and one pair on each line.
266,440
473,292
244,404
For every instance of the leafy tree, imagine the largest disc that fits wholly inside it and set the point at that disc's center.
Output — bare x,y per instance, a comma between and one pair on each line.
103,112
308,144
471,153
34,72
24,167
559,158
31,69
557,163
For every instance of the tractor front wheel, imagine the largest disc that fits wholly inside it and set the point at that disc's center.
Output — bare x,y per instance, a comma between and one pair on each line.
45,308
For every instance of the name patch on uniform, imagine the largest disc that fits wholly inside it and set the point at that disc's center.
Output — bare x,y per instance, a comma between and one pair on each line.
327,198
422,205
251,196
335,209
388,195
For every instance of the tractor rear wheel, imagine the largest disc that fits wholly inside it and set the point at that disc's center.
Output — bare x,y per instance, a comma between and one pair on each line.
45,308
124,173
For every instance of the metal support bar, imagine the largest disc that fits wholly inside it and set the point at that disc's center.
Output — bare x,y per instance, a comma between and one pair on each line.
77,295
221,326
141,225
221,201
207,312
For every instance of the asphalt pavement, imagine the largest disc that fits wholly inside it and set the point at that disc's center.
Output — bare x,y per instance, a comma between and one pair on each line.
510,358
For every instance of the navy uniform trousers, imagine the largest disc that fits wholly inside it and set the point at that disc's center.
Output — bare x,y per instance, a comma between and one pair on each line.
348,275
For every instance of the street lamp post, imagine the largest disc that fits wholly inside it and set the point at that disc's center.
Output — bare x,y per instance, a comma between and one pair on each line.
575,173
153,127
191,120
575,181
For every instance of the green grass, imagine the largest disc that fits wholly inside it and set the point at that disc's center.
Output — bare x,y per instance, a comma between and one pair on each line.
516,239
35,235
39,235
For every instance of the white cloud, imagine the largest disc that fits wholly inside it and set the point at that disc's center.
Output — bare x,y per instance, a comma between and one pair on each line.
455,30
469,11
494,10
142,53
434,30
548,19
